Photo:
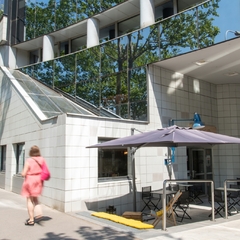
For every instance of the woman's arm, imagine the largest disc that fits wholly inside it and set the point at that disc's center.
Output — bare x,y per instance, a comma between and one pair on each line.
25,169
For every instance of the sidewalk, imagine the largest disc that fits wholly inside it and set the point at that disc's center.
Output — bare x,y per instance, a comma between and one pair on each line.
81,225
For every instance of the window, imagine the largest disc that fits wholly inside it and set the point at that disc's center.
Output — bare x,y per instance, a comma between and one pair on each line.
107,33
3,158
163,11
20,156
129,25
78,43
36,56
112,163
183,5
64,48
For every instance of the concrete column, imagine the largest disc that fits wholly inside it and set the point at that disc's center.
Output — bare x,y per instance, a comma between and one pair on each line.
48,48
175,10
92,32
8,56
147,13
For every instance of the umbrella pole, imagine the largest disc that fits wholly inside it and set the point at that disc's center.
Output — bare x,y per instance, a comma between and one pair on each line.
133,150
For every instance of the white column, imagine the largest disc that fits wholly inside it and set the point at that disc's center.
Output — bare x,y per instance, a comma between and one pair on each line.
147,13
8,56
48,48
92,32
175,10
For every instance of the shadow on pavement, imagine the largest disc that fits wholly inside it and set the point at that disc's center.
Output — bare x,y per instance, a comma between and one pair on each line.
40,221
89,234
105,233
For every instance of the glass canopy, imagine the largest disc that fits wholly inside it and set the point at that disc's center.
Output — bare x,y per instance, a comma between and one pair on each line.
50,102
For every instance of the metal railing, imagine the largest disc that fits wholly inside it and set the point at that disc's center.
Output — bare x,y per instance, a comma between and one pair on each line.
225,194
185,181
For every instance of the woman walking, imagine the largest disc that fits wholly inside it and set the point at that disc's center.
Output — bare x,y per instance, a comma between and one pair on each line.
32,185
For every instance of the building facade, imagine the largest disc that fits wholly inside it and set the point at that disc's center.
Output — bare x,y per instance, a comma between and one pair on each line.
75,73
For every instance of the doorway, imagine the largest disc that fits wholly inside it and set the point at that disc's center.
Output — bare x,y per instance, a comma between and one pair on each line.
199,165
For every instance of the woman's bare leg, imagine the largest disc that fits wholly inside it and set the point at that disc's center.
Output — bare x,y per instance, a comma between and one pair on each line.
30,208
38,208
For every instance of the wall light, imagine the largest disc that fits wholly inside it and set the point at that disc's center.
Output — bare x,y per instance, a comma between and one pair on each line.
196,119
236,33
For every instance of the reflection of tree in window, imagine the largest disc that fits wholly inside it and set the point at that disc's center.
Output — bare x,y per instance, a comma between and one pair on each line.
114,75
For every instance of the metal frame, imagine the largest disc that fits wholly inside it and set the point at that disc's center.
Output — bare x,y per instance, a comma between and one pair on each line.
225,194
184,180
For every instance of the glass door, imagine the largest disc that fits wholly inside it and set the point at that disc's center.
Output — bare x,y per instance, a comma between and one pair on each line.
200,165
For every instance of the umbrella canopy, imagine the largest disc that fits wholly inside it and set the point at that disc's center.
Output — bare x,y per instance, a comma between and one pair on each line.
172,136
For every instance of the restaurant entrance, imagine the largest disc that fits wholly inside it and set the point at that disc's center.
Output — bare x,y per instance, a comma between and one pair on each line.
199,165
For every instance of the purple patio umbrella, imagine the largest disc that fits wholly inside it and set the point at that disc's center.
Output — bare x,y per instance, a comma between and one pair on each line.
172,136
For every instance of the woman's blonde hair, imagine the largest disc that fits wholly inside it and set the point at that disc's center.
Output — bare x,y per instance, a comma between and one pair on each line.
34,151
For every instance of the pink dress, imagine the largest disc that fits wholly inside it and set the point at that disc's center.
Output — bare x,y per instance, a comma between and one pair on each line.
32,185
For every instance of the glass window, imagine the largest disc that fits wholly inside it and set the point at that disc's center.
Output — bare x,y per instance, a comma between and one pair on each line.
114,94
164,10
144,45
64,48
107,33
172,44
3,158
1,7
45,17
44,72
112,163
114,56
138,94
183,5
35,56
66,13
78,43
20,156
64,74
129,25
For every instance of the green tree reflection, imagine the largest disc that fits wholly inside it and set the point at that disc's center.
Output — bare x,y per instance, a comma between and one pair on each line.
113,75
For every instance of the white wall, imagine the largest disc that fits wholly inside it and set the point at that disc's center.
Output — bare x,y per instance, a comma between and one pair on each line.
22,58
177,97
228,123
19,124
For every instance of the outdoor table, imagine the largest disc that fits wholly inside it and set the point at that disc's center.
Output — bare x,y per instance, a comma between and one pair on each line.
228,189
159,192
185,185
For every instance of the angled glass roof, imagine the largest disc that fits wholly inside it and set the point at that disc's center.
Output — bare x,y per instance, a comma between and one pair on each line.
48,101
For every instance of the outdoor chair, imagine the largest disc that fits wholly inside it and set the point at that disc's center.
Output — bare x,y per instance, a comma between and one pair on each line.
238,183
195,192
148,199
219,200
170,215
234,197
182,205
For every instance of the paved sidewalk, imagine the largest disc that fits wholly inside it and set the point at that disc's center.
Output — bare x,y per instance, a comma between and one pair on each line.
82,225
56,225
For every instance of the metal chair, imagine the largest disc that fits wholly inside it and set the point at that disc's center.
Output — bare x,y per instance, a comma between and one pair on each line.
218,198
234,197
148,199
182,205
195,191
